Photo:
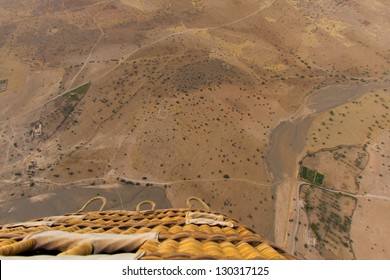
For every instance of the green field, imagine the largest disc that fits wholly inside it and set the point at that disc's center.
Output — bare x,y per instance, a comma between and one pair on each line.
311,176
3,85
77,93
72,98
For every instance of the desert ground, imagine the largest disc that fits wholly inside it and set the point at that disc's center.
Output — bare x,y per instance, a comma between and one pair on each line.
275,112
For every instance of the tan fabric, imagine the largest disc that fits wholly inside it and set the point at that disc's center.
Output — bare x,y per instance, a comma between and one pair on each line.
63,218
124,256
48,221
202,218
30,224
102,243
194,215
210,222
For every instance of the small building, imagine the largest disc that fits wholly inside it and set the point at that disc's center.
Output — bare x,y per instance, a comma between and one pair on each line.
38,130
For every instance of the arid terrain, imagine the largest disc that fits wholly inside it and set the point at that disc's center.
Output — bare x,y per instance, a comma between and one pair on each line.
275,112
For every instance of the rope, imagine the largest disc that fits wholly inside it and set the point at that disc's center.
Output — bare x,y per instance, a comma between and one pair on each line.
102,198
152,203
206,207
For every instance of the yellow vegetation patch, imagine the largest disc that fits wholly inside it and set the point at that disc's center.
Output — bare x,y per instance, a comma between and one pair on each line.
175,29
270,19
334,28
293,3
309,38
144,6
276,67
351,124
235,49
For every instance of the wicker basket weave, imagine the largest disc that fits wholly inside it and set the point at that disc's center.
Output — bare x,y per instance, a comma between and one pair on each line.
177,237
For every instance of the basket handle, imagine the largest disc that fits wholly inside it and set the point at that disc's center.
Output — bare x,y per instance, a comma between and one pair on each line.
102,198
206,207
150,202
